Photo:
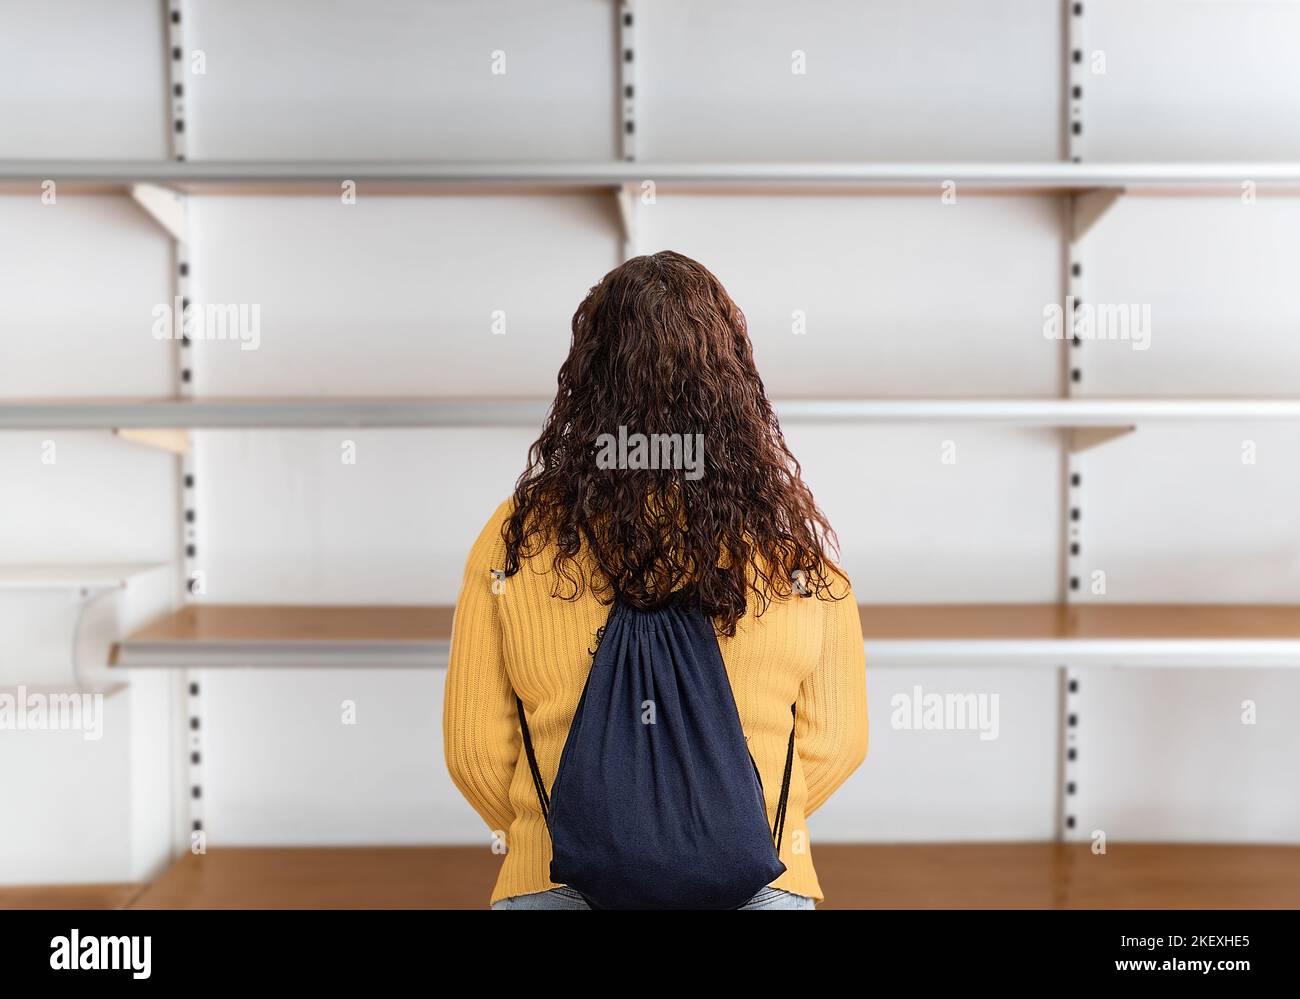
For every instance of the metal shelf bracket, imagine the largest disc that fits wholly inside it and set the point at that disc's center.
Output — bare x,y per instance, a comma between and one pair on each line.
171,440
164,206
1086,438
1088,208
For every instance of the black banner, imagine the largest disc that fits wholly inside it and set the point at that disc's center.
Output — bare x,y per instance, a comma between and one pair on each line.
474,951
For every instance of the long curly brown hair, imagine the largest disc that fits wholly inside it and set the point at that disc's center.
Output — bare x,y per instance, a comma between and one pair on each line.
659,347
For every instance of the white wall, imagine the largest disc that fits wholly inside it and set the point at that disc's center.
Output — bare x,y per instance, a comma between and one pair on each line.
903,296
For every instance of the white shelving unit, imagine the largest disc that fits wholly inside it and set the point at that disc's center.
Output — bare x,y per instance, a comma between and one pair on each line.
1065,636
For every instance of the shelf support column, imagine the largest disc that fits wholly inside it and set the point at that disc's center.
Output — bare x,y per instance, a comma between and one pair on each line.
1068,678
627,195
188,816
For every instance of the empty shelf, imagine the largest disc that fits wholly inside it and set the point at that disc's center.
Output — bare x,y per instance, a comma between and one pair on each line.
280,176
27,689
344,411
213,635
53,576
1102,634
221,635
278,413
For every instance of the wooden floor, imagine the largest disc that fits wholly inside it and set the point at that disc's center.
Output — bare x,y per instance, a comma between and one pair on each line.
1026,875
111,896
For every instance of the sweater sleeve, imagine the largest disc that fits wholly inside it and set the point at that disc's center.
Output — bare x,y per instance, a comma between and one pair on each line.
831,710
481,736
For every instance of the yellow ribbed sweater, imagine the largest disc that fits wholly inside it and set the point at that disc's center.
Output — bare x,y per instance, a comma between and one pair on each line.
517,637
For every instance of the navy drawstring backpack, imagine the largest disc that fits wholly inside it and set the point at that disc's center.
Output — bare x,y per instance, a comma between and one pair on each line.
657,802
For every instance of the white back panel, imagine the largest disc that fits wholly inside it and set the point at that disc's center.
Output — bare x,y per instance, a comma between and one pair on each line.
1173,513
380,780
1191,80
82,79
68,803
79,280
1223,314
397,296
890,80
402,80
1165,755
286,520
917,529
900,296
931,784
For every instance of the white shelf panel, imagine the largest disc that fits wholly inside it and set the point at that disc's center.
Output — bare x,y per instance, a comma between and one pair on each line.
252,413
217,177
1207,653
92,576
23,690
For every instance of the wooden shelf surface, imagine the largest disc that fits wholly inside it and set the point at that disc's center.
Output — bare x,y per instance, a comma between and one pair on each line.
216,635
1084,622
1118,634
219,635
278,623
890,876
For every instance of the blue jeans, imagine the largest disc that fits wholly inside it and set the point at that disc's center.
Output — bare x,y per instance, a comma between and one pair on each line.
567,898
